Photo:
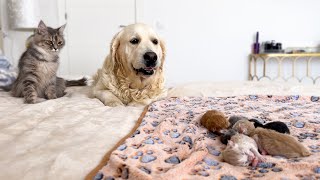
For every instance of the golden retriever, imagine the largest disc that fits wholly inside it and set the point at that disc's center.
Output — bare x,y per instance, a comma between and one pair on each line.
132,73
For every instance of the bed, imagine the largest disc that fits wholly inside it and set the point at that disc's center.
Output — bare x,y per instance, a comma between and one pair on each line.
67,138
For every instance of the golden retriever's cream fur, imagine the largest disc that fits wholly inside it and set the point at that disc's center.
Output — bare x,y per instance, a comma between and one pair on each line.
119,81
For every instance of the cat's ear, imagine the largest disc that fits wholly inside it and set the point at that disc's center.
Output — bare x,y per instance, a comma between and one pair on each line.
42,28
61,29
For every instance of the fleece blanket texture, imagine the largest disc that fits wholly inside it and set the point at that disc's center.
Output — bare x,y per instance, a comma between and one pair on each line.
169,142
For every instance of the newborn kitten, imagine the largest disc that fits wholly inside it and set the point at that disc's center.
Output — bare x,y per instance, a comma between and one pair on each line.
242,151
275,125
226,136
234,119
244,126
38,66
277,144
214,121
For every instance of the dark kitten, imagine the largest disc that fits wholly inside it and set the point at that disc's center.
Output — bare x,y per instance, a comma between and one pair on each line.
256,122
278,126
38,66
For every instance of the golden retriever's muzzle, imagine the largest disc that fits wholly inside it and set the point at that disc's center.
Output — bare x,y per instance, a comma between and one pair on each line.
150,62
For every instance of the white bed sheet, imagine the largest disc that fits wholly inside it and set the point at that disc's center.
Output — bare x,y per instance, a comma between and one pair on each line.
67,137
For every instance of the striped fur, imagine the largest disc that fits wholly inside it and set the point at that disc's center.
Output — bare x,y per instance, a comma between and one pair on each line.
38,66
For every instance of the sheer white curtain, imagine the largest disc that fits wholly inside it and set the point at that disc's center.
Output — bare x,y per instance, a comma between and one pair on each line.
23,14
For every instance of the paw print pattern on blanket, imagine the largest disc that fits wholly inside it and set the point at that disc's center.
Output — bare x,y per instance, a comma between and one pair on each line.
170,143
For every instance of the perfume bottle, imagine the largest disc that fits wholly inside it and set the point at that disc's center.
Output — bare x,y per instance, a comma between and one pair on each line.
256,45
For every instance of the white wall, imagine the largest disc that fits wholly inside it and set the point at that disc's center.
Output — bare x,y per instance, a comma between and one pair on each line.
210,40
207,40
91,27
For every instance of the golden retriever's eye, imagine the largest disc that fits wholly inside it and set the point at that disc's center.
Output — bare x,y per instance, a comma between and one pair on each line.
155,41
134,41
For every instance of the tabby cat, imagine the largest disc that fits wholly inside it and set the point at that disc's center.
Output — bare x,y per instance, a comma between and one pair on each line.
38,67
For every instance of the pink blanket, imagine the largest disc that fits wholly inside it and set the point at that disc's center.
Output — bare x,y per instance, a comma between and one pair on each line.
171,144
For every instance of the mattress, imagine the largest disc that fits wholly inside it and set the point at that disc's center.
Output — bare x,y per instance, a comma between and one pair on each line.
67,137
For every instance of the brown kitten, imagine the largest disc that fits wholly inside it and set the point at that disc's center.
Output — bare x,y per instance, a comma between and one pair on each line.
38,66
242,151
278,144
214,121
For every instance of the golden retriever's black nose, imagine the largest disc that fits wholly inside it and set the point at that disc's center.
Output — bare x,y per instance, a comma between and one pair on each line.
150,59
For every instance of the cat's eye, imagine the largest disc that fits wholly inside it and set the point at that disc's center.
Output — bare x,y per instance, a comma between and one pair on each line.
155,41
60,43
48,42
134,41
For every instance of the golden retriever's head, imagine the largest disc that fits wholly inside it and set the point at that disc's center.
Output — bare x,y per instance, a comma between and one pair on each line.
137,49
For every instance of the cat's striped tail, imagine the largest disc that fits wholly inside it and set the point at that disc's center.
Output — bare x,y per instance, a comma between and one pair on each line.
80,82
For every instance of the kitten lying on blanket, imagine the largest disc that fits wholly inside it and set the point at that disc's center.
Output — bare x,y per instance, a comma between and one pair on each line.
233,119
38,67
238,120
239,125
242,151
244,126
275,125
214,121
272,142
226,136
277,144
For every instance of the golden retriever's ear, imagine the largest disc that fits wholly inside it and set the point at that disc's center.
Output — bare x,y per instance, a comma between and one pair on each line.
115,43
164,52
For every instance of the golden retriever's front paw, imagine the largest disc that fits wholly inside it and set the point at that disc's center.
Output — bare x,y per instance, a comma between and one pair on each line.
113,103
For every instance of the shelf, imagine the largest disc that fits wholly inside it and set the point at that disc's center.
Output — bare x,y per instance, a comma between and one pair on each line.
265,55
299,64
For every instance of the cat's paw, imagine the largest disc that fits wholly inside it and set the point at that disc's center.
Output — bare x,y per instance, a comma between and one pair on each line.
52,96
30,100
